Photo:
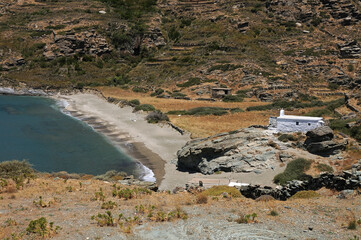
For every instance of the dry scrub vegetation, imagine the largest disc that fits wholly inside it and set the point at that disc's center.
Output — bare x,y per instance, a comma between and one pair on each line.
58,207
199,126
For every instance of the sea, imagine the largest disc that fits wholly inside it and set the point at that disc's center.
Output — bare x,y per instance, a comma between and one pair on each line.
37,130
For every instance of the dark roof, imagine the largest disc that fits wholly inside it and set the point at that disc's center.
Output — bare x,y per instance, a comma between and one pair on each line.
221,88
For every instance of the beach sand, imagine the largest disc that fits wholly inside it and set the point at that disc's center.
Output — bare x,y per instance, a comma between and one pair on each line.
154,145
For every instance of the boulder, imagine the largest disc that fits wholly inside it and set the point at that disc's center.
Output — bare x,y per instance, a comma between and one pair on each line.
244,150
320,134
319,141
325,147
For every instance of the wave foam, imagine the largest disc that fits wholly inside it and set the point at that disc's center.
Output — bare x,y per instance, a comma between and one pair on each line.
147,174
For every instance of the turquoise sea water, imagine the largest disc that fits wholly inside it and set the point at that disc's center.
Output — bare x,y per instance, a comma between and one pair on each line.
34,128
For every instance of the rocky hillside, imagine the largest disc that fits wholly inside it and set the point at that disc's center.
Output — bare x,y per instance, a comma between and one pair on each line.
264,50
235,43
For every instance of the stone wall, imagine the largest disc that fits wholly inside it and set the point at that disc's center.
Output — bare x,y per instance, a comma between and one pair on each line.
343,181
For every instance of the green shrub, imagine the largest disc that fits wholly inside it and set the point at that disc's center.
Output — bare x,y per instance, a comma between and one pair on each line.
104,219
17,171
145,107
352,225
190,82
219,190
108,205
132,10
156,116
178,95
134,102
119,80
246,218
341,125
173,33
305,195
40,33
224,67
41,227
236,110
333,86
295,170
178,112
274,213
324,167
56,27
243,92
286,138
157,92
232,98
200,111
139,89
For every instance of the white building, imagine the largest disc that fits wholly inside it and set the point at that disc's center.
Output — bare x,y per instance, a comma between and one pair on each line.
290,123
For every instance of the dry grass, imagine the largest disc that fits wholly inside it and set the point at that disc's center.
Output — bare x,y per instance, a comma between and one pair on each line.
72,209
199,126
306,195
203,126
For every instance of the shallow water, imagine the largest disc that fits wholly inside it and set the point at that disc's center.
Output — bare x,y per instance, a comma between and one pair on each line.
35,129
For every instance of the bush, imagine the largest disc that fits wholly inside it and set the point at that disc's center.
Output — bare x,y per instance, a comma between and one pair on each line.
295,170
156,116
305,195
352,225
324,168
236,110
178,95
232,98
134,102
286,138
190,82
41,227
119,80
341,125
274,213
200,111
173,33
157,92
219,190
246,218
132,9
224,67
145,107
17,171
140,89
333,86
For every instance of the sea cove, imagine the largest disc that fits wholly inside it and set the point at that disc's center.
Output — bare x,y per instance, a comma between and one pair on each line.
35,129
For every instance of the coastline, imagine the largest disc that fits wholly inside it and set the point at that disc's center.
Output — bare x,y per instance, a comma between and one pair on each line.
153,145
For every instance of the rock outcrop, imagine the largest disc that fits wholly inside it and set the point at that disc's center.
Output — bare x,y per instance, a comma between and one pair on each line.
320,141
246,150
76,43
346,180
350,49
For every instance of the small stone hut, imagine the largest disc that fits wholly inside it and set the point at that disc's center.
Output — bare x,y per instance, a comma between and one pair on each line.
291,123
220,92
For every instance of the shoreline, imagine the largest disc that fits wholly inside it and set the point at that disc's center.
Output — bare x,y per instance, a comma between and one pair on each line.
153,145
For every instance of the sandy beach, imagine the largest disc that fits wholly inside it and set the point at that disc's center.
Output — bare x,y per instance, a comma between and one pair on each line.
154,145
